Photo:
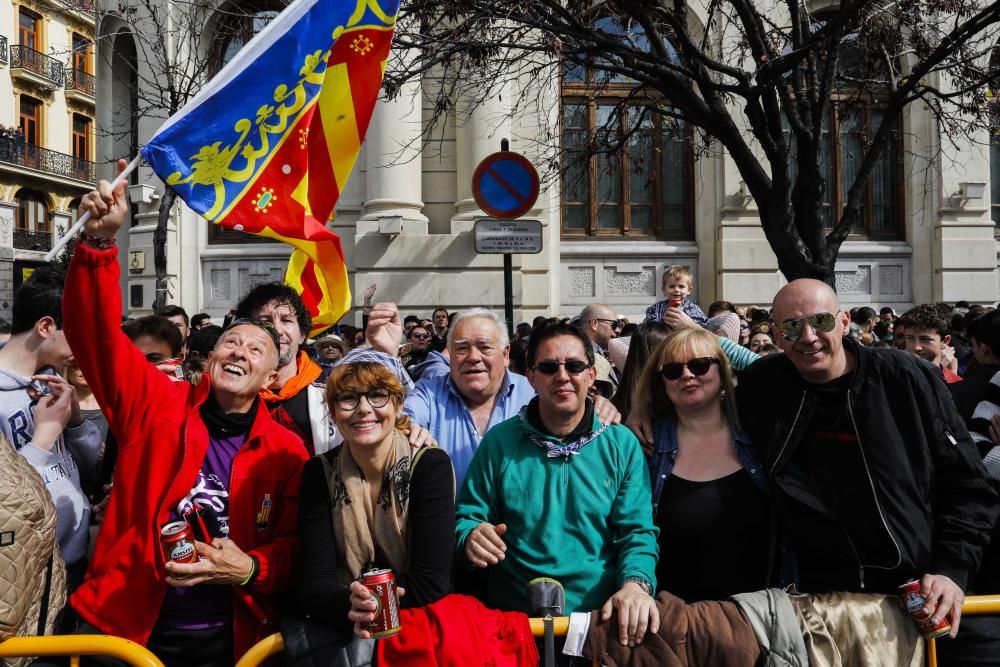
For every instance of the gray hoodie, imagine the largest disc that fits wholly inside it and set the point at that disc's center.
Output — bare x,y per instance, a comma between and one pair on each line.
60,468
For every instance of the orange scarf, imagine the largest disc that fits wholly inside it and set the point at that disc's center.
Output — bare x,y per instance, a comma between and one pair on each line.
306,372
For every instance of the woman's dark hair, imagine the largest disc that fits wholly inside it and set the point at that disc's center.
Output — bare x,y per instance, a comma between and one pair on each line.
863,315
986,330
720,306
645,339
882,329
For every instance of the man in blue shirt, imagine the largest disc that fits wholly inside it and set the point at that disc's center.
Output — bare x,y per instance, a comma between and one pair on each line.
478,392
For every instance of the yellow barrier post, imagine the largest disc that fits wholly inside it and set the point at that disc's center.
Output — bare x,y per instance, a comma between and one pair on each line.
974,605
77,645
262,650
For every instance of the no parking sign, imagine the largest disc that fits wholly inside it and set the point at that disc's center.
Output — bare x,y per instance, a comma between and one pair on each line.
505,185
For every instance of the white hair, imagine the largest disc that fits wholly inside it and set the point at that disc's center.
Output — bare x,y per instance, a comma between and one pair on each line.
480,314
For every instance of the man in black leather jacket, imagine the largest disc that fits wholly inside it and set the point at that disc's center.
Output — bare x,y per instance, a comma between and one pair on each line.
875,479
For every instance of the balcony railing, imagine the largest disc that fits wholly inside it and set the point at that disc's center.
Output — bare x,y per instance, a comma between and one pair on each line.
77,79
25,239
36,62
3,49
82,5
54,162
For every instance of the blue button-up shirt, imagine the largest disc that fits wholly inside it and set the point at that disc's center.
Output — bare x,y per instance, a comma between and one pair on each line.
436,404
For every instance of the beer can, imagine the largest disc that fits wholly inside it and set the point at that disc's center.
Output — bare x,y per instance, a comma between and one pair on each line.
177,539
914,603
676,303
382,585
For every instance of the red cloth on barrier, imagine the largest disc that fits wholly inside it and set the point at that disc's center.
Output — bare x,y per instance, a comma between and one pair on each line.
459,630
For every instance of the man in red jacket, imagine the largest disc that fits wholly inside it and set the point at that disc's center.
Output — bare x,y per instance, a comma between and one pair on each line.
209,454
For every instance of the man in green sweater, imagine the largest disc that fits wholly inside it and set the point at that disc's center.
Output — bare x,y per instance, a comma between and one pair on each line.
552,493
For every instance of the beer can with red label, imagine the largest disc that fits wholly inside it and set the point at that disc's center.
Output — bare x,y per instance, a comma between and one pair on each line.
914,603
178,542
382,584
676,303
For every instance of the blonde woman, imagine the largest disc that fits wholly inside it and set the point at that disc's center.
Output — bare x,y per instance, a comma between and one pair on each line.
709,494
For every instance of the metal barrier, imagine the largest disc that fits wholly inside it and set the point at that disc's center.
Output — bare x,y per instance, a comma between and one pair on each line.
78,645
262,650
273,644
975,605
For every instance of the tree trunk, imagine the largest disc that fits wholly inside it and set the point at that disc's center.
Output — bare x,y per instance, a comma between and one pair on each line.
159,248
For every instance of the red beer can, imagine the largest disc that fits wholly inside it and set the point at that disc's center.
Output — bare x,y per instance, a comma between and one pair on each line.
177,539
914,603
676,303
382,584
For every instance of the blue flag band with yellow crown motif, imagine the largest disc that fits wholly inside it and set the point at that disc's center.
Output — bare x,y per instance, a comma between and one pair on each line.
267,145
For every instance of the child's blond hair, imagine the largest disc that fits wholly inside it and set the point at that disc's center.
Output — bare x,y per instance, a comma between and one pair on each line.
677,271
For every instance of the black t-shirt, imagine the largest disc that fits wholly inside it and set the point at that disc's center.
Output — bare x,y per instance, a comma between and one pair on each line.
293,414
828,468
714,537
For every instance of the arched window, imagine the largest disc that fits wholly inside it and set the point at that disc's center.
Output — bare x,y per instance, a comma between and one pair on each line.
626,163
32,211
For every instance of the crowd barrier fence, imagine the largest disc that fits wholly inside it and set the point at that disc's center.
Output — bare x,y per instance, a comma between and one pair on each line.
75,646
975,605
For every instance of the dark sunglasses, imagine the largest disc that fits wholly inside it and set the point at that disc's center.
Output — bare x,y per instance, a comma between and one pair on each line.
699,366
573,366
614,324
791,330
421,336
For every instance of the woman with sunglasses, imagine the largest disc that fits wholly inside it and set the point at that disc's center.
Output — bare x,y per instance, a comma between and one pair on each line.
368,504
709,498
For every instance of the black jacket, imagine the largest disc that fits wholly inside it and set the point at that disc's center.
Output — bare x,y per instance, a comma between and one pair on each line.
935,502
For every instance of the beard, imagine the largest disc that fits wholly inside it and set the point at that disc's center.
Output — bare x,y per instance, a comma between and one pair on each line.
286,356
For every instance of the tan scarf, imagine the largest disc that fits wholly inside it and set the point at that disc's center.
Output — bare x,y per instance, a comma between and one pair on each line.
306,372
358,525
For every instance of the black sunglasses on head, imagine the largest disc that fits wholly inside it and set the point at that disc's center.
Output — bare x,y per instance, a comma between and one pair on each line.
573,366
699,366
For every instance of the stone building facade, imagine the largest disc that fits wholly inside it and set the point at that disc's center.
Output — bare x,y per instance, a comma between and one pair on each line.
406,215
48,130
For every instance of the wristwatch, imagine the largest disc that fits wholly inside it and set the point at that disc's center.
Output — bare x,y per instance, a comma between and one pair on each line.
641,582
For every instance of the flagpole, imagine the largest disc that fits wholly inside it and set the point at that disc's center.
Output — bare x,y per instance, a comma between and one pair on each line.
86,214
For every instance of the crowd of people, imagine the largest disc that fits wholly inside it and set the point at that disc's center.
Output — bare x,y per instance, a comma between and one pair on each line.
703,487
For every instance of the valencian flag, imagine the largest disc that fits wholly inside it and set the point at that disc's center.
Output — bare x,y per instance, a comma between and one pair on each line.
267,145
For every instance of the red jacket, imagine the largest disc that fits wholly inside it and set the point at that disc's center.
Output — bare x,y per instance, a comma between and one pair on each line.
162,443
459,630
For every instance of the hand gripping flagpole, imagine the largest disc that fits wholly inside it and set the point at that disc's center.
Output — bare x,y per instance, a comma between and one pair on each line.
86,214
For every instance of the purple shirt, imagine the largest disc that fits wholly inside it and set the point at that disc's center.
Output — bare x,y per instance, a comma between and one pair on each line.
207,605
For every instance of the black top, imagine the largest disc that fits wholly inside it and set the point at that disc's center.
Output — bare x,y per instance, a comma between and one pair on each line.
713,537
293,414
431,524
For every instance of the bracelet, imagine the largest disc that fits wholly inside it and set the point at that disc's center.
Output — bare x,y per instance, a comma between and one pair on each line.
253,571
98,242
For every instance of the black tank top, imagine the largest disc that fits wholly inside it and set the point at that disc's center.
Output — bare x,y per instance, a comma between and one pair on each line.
713,537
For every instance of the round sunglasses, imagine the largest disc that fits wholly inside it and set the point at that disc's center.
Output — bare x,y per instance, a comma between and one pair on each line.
698,367
573,366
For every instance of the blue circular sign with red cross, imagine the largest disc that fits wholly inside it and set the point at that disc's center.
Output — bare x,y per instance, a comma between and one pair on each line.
505,185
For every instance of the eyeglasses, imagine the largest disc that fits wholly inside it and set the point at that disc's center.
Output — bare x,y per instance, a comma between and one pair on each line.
573,366
268,328
791,330
614,324
699,366
349,400
421,336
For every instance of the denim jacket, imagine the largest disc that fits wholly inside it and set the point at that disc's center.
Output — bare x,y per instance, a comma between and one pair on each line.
662,462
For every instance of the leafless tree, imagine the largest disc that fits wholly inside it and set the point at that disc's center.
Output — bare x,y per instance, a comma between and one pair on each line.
759,77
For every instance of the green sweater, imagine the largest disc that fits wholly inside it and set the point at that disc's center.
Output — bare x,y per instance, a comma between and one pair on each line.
586,520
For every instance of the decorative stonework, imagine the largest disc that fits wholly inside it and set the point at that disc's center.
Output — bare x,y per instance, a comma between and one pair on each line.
581,281
258,272
220,285
855,282
630,283
890,279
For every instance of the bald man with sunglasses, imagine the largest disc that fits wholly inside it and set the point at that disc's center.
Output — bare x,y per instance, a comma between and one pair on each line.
874,477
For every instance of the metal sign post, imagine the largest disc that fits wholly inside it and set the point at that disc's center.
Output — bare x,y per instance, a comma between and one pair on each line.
505,185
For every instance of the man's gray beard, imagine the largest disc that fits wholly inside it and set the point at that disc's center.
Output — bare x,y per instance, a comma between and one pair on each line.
286,358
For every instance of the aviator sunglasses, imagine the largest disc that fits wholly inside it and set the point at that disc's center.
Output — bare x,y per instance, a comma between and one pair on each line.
791,330
573,366
698,367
